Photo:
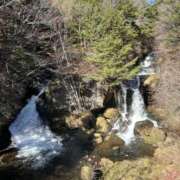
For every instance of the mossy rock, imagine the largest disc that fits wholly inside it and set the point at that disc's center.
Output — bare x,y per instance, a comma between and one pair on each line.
143,128
148,133
111,114
155,136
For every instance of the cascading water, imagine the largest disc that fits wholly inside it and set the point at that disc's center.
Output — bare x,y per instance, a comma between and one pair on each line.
34,140
125,126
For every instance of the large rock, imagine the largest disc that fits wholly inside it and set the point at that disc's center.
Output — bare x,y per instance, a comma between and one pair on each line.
150,134
86,173
143,127
112,114
102,125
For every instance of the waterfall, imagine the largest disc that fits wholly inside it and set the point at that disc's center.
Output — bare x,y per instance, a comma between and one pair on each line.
147,66
33,139
137,112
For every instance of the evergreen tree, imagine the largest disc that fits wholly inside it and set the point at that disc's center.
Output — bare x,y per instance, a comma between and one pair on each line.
111,36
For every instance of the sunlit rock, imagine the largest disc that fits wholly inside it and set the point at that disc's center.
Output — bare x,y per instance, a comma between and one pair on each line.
112,114
102,125
86,173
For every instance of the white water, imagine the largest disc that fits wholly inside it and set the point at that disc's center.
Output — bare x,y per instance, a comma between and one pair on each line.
125,126
147,66
34,140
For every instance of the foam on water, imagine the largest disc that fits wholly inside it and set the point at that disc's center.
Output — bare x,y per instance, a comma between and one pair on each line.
34,139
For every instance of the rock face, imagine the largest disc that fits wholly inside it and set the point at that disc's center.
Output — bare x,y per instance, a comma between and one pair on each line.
72,94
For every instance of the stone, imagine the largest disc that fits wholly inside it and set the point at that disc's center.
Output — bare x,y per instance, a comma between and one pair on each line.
148,133
143,127
112,114
102,125
86,173
85,121
155,136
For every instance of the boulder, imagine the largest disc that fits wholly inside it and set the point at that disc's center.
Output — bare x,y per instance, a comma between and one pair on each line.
86,173
150,134
143,127
111,114
85,120
102,125
155,136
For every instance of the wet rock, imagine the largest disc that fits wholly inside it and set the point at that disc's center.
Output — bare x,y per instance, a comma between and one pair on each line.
149,134
143,127
102,125
86,173
111,114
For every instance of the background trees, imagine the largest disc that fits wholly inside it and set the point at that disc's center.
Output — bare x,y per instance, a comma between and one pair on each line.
110,36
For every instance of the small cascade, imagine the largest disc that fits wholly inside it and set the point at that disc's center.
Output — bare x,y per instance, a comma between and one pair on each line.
33,139
147,66
137,112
